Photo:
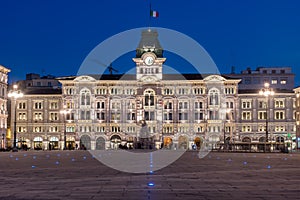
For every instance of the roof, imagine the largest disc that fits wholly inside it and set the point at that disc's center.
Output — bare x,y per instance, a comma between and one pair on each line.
42,90
133,77
255,91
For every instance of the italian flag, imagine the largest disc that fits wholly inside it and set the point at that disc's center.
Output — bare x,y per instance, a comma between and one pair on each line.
153,13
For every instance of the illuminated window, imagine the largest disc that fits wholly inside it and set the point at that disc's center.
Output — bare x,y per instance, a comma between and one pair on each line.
283,82
246,115
262,115
246,104
279,115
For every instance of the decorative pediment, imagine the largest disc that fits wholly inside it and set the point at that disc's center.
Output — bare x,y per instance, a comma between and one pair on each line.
149,79
214,78
84,79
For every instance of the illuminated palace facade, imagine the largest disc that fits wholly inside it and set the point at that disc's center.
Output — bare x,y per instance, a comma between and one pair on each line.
150,109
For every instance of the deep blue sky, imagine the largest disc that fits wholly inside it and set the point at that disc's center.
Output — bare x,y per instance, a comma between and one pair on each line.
54,36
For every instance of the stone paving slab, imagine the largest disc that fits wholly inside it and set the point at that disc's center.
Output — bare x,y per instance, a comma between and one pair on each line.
44,175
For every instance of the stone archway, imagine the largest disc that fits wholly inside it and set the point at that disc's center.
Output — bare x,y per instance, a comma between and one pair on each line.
38,143
198,142
246,143
53,143
115,141
85,142
168,142
100,143
183,142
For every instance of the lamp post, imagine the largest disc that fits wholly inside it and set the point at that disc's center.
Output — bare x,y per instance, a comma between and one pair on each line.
266,91
14,95
64,113
227,112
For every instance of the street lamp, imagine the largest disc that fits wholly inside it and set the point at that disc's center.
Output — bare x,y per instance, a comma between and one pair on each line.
266,91
14,95
224,118
64,113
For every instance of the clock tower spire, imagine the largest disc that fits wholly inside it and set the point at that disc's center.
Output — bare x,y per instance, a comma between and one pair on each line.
149,57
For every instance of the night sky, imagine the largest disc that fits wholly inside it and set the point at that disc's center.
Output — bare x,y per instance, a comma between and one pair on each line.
54,36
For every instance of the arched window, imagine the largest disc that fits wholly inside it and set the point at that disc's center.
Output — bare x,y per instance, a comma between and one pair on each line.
214,96
149,97
85,97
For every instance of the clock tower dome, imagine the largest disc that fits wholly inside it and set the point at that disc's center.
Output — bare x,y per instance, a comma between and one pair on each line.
149,57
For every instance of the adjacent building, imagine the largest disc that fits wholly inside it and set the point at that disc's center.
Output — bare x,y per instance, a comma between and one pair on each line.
3,107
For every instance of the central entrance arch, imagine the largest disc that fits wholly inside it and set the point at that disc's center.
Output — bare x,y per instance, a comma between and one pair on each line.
183,142
85,142
115,141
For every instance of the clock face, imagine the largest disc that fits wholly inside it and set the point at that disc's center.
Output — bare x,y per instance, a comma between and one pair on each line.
149,60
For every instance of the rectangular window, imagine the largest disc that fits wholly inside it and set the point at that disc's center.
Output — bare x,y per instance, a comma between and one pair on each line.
274,81
229,90
21,129
37,105
246,115
85,115
198,116
198,91
183,105
37,129
168,116
38,116
183,116
283,82
70,116
53,129
130,91
229,104
198,105
246,104
279,128
116,105
168,129
53,105
100,129
262,115
101,115
262,104
168,105
115,129
100,105
168,91
246,128
279,115
279,103
22,116
53,116
183,91
199,129
131,116
22,105
131,129
149,115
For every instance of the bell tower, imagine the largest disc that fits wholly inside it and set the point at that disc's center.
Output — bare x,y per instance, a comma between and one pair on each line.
149,57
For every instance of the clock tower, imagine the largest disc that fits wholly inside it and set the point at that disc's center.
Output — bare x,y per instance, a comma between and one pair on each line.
149,58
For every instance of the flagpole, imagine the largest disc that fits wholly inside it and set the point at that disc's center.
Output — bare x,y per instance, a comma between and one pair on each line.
149,15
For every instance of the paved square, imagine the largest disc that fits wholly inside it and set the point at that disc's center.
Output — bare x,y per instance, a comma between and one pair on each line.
77,175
